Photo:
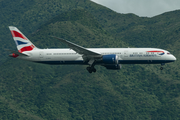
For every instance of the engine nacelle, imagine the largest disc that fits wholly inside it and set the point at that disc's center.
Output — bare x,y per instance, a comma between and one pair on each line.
113,67
110,59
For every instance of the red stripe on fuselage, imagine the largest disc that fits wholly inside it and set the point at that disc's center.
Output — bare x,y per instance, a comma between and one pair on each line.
155,51
27,48
17,34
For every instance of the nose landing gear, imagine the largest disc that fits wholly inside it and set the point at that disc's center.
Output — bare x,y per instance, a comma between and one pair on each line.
161,68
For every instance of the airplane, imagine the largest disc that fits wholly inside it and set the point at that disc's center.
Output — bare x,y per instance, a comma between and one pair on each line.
111,58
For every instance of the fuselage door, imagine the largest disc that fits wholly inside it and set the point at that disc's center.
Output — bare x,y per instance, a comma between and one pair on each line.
41,55
126,53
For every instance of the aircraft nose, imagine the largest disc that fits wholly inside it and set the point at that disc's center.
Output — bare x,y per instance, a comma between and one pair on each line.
174,58
171,58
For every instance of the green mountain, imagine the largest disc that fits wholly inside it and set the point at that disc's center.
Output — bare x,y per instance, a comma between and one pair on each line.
37,91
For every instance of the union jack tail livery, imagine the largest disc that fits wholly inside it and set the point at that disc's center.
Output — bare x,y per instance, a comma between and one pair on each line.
22,42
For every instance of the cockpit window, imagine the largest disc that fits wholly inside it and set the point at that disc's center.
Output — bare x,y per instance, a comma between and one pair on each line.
168,53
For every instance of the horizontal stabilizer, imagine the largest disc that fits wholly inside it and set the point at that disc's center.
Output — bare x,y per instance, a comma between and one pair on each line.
16,52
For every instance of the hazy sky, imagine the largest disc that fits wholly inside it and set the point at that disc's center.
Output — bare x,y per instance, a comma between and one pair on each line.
146,8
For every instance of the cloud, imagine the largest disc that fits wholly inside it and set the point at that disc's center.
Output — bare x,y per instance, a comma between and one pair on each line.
144,8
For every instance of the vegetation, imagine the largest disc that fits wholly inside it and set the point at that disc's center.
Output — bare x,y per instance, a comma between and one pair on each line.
36,91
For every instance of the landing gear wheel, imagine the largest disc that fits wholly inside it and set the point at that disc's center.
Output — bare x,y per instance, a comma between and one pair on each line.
90,69
161,68
94,70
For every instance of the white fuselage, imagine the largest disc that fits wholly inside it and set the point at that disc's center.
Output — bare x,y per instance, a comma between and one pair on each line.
125,56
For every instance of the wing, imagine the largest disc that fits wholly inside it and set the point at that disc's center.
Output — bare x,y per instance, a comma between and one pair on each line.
81,50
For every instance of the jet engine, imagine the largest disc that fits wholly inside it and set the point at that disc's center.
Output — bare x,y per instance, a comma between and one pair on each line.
110,59
113,67
111,62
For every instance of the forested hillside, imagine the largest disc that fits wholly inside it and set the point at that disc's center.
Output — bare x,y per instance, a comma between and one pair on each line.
136,92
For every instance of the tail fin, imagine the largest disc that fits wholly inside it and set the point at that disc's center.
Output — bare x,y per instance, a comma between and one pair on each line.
22,42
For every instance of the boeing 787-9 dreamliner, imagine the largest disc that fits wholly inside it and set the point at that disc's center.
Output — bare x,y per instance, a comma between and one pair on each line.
111,58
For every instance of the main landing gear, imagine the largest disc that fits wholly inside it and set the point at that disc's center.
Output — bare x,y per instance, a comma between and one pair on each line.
161,68
91,68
